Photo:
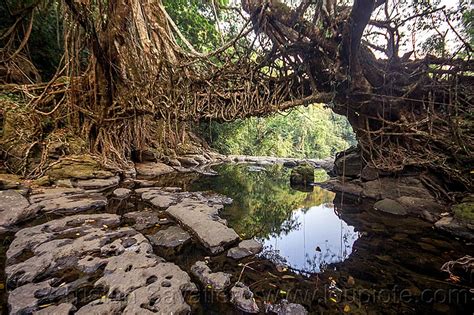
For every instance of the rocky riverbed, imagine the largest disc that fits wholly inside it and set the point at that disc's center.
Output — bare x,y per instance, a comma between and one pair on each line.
94,242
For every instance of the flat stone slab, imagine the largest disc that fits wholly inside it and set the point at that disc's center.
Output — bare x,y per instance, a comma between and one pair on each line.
66,200
98,184
135,280
153,169
172,237
217,281
145,219
242,298
14,208
203,220
244,249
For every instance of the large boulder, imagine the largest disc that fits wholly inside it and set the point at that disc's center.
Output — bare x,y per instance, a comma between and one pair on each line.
77,167
302,175
348,163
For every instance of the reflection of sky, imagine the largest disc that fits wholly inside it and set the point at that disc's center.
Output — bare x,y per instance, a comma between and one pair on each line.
319,226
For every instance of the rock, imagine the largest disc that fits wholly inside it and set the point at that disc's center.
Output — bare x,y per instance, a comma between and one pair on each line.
144,219
77,167
67,183
64,308
187,161
158,197
454,226
92,247
348,163
393,188
153,169
285,308
217,281
102,307
174,162
350,187
98,184
199,158
369,173
66,200
426,208
122,193
172,237
244,249
243,299
202,219
290,163
14,208
464,211
9,181
302,175
390,206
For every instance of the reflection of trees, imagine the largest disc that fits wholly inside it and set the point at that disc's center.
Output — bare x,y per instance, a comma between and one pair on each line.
263,201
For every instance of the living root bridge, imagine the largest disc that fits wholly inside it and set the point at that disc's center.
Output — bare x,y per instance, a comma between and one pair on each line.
139,82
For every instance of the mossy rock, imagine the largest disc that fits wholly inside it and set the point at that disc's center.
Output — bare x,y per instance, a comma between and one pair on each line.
464,211
302,175
78,167
9,181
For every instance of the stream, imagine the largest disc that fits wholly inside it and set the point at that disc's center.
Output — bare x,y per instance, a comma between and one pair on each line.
327,251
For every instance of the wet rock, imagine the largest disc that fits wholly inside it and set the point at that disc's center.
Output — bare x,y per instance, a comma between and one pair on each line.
122,193
85,245
302,175
393,188
285,308
66,200
172,237
390,206
217,281
98,184
348,163
243,299
349,187
64,308
153,169
202,218
159,199
418,205
187,161
14,208
456,227
143,219
244,249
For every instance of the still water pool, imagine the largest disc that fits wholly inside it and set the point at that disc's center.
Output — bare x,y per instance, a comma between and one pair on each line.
300,230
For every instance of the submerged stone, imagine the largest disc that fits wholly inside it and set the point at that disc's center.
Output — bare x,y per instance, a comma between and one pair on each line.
286,308
217,281
244,249
390,206
243,299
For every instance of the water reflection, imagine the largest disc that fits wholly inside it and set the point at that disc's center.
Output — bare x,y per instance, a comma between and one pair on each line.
298,229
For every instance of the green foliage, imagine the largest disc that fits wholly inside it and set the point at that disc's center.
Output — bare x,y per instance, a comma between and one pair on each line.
196,20
311,132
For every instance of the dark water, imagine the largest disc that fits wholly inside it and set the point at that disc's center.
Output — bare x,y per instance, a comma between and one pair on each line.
388,264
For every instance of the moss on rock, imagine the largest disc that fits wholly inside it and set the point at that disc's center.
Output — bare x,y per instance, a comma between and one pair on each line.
79,167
